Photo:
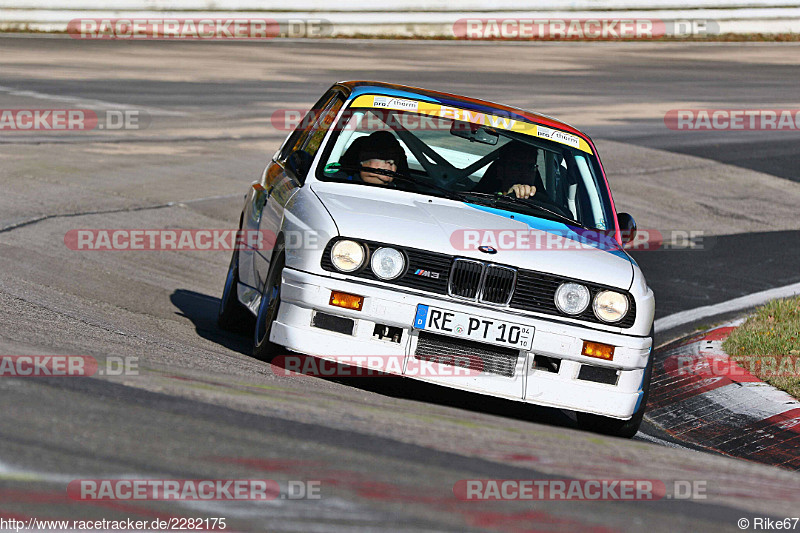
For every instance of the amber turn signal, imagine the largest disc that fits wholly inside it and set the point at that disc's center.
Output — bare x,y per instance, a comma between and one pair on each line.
595,349
347,301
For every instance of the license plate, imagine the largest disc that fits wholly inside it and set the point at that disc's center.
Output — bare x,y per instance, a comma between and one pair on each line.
474,327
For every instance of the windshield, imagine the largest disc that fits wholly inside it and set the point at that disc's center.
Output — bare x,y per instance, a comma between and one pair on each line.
462,160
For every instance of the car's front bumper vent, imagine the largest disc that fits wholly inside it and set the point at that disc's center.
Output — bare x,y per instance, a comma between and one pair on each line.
599,374
476,356
333,323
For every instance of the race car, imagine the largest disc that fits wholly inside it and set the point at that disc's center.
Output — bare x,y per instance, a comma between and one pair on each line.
426,226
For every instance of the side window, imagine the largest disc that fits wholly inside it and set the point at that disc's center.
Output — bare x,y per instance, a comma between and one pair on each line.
313,140
305,146
304,126
299,137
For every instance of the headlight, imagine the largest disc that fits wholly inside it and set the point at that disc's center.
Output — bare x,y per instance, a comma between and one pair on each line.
387,263
347,256
610,306
572,298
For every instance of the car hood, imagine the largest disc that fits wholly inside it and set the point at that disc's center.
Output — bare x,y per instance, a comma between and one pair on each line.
457,228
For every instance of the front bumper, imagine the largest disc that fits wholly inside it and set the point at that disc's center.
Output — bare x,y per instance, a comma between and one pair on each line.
304,294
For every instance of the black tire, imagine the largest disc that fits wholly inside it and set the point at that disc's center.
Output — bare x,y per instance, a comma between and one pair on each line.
263,348
232,315
621,428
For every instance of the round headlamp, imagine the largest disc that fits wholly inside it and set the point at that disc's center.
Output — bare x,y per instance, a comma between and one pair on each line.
347,256
572,298
610,306
387,263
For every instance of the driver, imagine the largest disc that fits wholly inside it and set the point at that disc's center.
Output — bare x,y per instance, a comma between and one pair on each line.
515,171
380,150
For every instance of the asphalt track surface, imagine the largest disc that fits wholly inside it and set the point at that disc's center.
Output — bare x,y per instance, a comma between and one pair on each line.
386,453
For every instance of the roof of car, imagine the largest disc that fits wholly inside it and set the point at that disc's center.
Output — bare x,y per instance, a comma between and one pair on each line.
356,87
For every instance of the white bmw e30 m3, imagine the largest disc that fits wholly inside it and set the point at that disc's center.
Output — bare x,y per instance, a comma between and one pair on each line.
451,229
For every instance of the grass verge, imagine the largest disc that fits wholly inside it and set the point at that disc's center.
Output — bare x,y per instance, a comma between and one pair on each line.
768,344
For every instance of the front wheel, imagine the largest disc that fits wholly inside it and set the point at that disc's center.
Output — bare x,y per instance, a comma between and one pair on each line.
263,348
621,428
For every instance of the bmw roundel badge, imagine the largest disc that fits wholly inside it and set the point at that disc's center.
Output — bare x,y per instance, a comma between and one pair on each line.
487,249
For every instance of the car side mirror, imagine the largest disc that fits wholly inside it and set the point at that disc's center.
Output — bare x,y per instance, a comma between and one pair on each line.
627,227
299,163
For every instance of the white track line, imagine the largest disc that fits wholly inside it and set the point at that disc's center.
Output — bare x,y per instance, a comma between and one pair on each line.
87,102
737,304
662,442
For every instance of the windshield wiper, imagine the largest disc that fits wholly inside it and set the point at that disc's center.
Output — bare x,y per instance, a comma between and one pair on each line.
500,197
453,195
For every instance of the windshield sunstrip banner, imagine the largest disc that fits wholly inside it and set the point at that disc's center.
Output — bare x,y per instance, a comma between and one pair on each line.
474,117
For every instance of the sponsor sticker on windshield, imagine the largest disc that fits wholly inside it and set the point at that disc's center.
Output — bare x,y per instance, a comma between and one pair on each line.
558,136
389,102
